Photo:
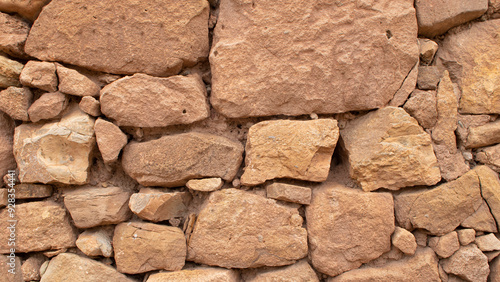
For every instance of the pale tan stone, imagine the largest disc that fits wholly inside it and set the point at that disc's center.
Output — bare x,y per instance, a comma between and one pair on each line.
348,227
9,72
27,8
32,191
428,49
74,83
445,245
142,247
484,135
48,106
255,232
298,272
205,274
40,226
122,37
71,267
404,241
11,269
468,263
205,184
31,267
96,242
15,102
490,156
40,75
422,105
173,160
490,189
289,193
466,236
56,151
110,140
406,88
93,206
481,220
488,243
289,149
7,161
153,205
90,105
13,35
388,149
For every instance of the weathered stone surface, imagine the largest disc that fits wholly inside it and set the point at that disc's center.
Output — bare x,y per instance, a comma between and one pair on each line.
40,226
173,160
292,149
205,184
428,49
445,245
440,210
471,56
13,35
151,204
57,151
468,263
428,77
451,162
481,220
15,102
93,206
465,122
300,271
408,158
3,197
348,227
141,247
110,140
420,237
466,236
6,265
404,241
74,83
208,274
7,160
96,242
31,267
490,189
495,270
406,88
122,37
48,106
32,191
255,232
40,75
437,17
490,156
488,243
484,135
423,266
289,193
146,101
90,105
26,8
268,59
71,267
422,105
9,72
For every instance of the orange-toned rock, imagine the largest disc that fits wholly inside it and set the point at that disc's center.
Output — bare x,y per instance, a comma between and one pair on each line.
13,35
48,106
90,105
96,242
481,220
490,156
488,243
15,102
484,135
26,8
11,267
74,83
422,106
32,191
9,72
445,245
404,241
300,271
205,184
197,274
428,49
490,189
110,140
40,75
468,263
466,236
289,193
123,37
7,161
31,267
156,205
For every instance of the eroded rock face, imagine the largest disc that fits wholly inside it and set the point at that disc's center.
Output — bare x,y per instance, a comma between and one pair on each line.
56,151
15,102
262,66
445,245
146,101
404,240
9,72
481,220
48,106
154,205
289,193
468,263
408,158
40,75
110,140
7,161
26,8
300,271
422,106
122,37
490,189
209,274
348,227
73,82
293,149
96,242
484,135
237,229
490,156
13,34
173,160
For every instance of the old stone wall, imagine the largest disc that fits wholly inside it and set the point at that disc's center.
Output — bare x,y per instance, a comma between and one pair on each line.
249,140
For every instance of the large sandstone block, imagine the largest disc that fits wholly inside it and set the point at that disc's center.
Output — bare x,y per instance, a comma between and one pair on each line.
208,274
348,227
123,37
293,149
7,161
483,135
388,149
55,152
296,57
26,8
173,160
13,34
40,75
468,263
237,229
478,70
490,189
40,226
146,101
300,271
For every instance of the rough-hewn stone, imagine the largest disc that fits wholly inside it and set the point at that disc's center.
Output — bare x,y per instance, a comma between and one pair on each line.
151,204
428,49
490,156
422,105
96,242
466,236
7,161
445,245
32,191
208,274
90,105
406,88
6,264
9,72
15,102
484,135
300,271
48,106
490,189
481,220
205,184
74,83
26,8
40,75
428,77
488,243
31,267
110,140
289,193
468,263
13,35
122,37
404,241
146,101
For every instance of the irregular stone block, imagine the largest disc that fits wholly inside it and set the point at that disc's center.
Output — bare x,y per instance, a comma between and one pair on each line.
428,49
26,8
55,152
446,245
205,184
404,241
388,149
481,220
422,105
173,160
254,232
198,273
154,205
74,83
48,106
468,263
488,243
466,236
146,101
15,102
31,267
122,37
268,58
96,242
490,156
292,149
348,227
110,140
428,77
7,161
32,191
490,189
90,105
289,193
4,194
40,75
9,72
300,271
406,88
6,264
13,35
484,135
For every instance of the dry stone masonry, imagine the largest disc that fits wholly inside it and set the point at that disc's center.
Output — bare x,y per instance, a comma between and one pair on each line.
249,140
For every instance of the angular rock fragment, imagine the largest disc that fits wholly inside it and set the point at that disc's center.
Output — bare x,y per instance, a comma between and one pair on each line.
404,241
142,247
291,149
96,242
388,149
110,140
56,151
468,263
26,8
40,75
90,105
466,236
154,205
48,106
490,189
488,243
32,191
484,135
348,227
490,156
466,122
445,245
481,220
4,197
300,271
422,106
31,267
428,49
13,35
406,88
205,184
157,41
289,193
198,273
254,231
146,101
7,161
40,226
93,206
9,72
74,83
173,160
428,77
15,102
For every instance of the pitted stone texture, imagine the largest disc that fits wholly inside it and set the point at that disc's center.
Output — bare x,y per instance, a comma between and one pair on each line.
404,241
151,204
40,75
7,161
13,35
484,135
406,88
142,247
472,57
31,267
9,72
48,106
173,160
203,273
289,193
254,231
388,149
348,227
298,272
74,83
26,8
292,149
295,57
205,184
146,101
55,152
468,263
123,37
436,17
110,140
96,242
40,226
15,102
428,77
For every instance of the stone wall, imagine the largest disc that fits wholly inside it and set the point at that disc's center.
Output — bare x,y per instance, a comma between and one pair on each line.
240,140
